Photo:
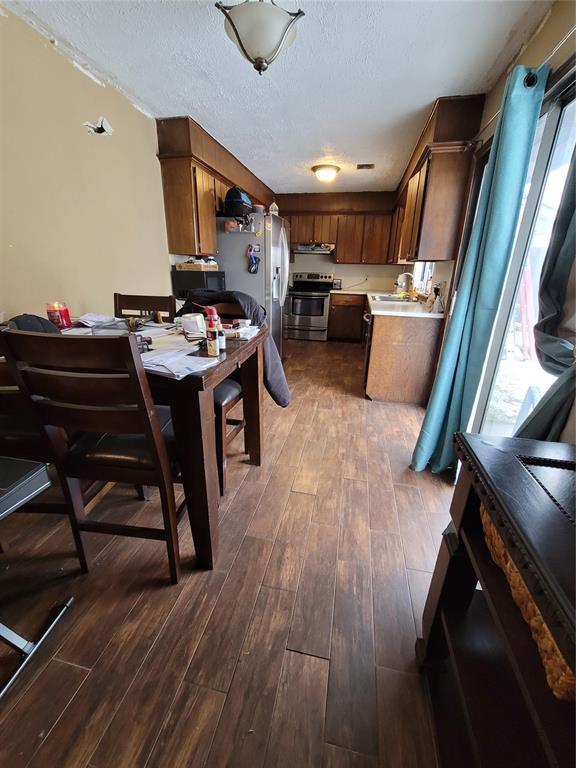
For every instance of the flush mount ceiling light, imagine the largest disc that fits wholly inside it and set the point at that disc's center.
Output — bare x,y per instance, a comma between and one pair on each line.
260,29
325,173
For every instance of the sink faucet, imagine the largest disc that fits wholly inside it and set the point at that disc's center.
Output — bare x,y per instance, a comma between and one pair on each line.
401,284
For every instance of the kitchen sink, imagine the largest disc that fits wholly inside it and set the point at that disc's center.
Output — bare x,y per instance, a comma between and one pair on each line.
385,297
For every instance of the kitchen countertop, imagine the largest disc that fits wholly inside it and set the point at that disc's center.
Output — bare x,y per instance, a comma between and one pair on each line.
354,293
402,309
394,308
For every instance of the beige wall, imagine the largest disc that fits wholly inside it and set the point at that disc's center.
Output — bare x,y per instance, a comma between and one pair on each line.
560,20
81,216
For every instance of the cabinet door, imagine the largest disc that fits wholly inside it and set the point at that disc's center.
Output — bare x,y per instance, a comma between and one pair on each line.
394,236
408,222
302,229
376,239
418,208
345,322
180,205
220,190
206,202
325,229
349,243
444,200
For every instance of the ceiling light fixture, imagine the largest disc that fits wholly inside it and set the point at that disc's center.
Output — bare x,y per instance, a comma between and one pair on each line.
325,173
260,29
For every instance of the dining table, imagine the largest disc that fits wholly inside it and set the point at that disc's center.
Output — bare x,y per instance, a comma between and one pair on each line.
191,402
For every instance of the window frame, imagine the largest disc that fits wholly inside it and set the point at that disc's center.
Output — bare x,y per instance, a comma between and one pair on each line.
553,108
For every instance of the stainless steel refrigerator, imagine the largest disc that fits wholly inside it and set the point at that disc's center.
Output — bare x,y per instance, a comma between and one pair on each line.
269,285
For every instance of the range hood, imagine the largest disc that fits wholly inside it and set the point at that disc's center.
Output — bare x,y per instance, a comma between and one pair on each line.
321,249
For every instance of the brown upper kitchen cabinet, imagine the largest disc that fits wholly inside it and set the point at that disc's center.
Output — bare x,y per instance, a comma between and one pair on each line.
206,200
433,214
350,237
190,207
395,233
376,239
302,229
325,229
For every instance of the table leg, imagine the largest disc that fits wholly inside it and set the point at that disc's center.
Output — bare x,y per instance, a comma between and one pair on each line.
193,420
252,396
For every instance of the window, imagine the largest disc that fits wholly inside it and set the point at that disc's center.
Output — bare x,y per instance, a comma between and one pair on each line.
423,271
514,379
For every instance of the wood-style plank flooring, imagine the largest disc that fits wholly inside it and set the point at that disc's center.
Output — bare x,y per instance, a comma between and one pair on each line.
297,650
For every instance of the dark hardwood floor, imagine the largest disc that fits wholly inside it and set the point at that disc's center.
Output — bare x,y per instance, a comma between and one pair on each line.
297,650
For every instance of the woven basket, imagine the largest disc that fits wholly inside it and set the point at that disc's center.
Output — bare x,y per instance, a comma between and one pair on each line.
559,676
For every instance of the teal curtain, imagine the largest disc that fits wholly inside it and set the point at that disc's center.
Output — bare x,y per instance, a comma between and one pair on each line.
556,354
483,271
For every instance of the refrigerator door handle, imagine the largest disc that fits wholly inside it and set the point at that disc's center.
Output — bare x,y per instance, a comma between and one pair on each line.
285,265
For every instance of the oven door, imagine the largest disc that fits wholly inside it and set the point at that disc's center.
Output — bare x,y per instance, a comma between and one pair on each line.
307,310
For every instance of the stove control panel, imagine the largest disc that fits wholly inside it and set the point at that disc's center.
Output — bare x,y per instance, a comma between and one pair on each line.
320,277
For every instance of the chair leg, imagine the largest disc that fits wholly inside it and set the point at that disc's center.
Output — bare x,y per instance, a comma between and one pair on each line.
171,528
141,492
220,414
75,504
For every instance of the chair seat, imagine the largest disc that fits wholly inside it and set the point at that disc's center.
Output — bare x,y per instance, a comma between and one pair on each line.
226,391
124,451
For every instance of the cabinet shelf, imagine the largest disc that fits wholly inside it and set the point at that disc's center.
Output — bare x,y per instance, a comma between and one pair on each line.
552,719
492,702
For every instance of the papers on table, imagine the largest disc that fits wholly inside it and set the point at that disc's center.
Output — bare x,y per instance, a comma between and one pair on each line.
90,319
155,330
247,332
78,331
176,362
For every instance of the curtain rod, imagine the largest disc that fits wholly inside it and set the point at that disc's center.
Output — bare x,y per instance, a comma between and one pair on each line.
552,53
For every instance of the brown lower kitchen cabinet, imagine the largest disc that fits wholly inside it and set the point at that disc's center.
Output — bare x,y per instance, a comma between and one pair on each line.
401,358
345,319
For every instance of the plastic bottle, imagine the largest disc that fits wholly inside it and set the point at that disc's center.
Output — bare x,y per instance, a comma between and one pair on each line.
212,332
221,338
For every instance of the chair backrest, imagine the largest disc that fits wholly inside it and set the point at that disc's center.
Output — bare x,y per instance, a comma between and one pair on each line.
126,305
84,384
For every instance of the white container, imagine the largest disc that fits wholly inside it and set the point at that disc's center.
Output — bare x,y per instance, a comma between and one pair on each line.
194,324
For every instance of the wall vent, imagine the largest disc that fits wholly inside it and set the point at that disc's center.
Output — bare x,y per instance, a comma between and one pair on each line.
364,166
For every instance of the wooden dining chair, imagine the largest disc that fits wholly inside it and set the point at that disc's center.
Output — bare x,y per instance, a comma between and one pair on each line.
227,395
22,438
128,305
97,387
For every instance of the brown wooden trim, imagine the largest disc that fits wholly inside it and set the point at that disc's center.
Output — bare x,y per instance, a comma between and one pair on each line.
183,137
453,119
436,147
347,203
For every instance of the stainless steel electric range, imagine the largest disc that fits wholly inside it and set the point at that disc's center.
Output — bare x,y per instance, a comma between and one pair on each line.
307,306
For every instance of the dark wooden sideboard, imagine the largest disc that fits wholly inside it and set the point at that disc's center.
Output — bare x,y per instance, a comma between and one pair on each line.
492,705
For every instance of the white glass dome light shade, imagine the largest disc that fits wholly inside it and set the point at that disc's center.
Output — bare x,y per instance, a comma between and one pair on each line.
259,30
325,173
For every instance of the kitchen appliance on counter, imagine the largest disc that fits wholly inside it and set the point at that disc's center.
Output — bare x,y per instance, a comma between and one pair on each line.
187,280
308,305
256,261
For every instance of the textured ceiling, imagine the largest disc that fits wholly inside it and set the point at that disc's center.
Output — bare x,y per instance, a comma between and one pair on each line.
355,87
